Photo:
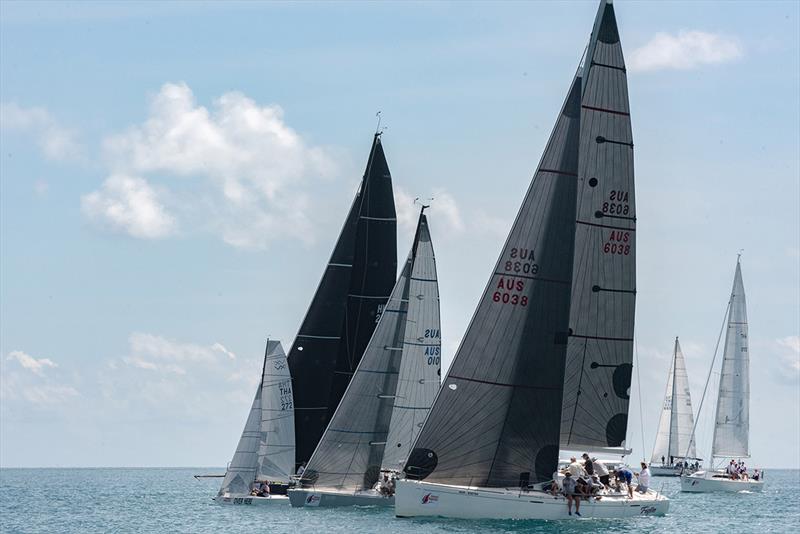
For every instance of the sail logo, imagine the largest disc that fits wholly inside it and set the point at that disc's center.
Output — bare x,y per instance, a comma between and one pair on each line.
430,498
312,500
279,365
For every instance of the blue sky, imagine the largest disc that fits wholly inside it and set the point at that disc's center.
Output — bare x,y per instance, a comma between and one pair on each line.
173,177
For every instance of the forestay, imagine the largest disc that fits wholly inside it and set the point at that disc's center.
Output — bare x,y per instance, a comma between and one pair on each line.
732,424
600,352
276,449
346,305
495,421
351,451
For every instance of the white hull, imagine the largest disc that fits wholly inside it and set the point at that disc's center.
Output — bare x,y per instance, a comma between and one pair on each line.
274,500
707,482
416,498
668,471
331,498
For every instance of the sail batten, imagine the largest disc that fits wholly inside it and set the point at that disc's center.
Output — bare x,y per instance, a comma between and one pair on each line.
732,422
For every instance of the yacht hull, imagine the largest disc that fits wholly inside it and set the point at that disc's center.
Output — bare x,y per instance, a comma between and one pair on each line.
709,482
250,500
316,498
419,498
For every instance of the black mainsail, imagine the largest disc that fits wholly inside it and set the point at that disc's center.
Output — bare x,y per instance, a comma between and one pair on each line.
600,351
346,306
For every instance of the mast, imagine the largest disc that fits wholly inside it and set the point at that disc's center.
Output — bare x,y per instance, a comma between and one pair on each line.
732,422
599,359
346,306
495,421
351,451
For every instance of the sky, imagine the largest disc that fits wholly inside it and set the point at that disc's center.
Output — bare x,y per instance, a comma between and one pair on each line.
173,177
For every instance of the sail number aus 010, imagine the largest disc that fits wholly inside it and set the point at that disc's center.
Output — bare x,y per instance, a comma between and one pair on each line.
433,352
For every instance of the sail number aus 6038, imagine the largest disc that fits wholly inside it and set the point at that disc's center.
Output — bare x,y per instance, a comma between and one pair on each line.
618,242
509,292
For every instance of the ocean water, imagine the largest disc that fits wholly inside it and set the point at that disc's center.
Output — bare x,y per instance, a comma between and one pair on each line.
172,501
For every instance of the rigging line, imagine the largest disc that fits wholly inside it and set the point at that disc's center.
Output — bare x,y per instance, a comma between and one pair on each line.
708,378
639,394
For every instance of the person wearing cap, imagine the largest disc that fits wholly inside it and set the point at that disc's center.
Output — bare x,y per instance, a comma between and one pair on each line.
587,464
568,488
625,475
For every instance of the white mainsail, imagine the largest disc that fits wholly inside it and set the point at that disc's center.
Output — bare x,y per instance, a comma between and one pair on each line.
264,430
732,424
673,440
276,450
420,365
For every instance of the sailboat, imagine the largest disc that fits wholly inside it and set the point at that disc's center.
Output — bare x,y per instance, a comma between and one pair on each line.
552,335
732,422
674,450
346,306
370,435
265,453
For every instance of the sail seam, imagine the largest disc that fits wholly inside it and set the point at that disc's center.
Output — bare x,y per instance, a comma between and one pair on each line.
604,110
555,171
529,277
606,65
603,338
491,383
610,227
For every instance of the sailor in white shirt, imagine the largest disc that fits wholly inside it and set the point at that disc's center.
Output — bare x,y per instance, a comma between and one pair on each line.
644,479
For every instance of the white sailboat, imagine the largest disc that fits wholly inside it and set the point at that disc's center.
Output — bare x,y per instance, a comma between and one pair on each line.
674,451
265,452
732,422
385,404
545,364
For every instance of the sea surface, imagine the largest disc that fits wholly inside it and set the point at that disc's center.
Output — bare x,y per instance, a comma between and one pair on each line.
172,501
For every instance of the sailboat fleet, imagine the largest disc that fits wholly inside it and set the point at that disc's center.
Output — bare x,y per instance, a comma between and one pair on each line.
359,413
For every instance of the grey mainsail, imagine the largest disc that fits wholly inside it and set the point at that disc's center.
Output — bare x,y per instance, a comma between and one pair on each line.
732,423
600,350
420,366
276,448
350,453
495,421
677,419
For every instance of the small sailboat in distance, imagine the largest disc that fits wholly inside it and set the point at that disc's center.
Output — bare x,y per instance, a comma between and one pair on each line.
264,458
369,437
674,452
563,290
732,422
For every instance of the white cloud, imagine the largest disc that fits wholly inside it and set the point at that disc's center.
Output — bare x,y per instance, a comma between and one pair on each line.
56,141
251,167
684,51
29,362
446,205
147,349
444,209
129,204
789,352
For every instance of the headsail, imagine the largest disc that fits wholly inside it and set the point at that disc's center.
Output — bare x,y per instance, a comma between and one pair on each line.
682,419
276,449
732,425
661,447
495,421
600,351
351,450
346,305
242,470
